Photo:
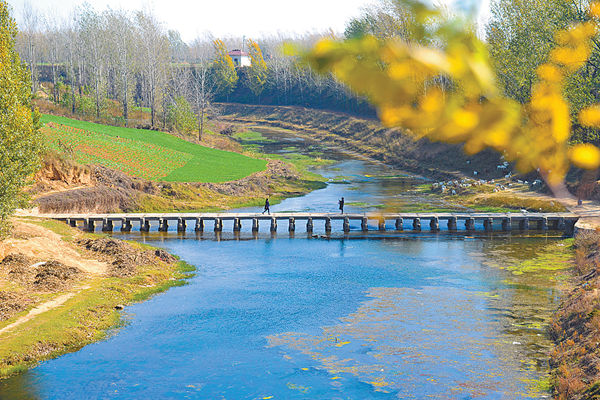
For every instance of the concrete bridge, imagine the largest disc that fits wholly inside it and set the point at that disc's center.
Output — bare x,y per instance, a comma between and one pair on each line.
564,222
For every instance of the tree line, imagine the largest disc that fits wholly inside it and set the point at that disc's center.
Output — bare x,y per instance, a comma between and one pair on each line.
98,58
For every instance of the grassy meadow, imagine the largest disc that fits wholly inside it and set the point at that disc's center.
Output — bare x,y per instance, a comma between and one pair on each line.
144,153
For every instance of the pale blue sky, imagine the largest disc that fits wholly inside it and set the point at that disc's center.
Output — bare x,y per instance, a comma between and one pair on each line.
223,18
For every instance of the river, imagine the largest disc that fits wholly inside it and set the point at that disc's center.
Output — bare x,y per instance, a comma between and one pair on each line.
376,316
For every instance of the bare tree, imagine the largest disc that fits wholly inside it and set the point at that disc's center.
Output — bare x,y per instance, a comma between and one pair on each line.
92,36
153,56
203,84
121,49
30,32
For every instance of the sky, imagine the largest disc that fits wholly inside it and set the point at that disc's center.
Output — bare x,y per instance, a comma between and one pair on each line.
235,18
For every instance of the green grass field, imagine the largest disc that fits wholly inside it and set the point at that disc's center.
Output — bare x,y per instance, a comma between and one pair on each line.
147,154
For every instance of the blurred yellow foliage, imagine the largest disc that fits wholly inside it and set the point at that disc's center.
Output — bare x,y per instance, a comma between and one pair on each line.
448,92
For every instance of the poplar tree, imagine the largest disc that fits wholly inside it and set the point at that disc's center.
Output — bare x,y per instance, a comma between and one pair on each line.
19,136
224,70
257,74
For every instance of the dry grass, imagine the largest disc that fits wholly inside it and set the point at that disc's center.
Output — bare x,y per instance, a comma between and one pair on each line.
576,328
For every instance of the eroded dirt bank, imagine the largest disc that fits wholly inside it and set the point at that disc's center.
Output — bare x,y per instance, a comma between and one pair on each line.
60,288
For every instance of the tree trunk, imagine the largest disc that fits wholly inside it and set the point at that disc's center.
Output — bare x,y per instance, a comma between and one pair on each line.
201,130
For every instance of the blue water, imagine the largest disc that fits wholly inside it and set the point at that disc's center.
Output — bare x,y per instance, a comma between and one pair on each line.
377,316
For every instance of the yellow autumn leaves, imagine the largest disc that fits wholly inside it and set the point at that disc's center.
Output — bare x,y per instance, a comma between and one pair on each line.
448,92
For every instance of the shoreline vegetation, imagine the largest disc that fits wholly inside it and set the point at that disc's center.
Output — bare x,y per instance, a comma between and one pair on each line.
54,304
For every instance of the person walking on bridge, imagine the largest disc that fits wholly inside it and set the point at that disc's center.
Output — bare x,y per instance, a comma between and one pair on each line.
267,206
341,203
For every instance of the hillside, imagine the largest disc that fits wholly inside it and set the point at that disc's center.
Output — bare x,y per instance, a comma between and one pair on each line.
151,155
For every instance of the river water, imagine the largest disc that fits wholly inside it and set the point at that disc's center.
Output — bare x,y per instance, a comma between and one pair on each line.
377,316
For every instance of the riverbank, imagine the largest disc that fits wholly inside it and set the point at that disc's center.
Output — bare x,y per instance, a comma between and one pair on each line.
62,289
575,328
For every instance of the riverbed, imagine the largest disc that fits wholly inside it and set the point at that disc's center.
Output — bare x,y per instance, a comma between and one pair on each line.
382,315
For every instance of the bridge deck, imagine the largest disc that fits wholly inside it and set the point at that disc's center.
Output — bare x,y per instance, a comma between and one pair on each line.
543,221
306,215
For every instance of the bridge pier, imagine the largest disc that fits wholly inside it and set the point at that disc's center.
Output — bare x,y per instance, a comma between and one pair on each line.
107,225
255,225
364,224
488,224
524,224
543,226
218,225
309,225
470,224
163,225
181,225
434,224
199,225
417,224
506,224
273,225
237,225
72,222
452,224
399,224
381,224
89,225
292,225
561,224
126,225
328,225
144,225
346,225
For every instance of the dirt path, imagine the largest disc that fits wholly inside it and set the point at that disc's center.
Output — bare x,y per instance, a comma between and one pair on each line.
47,306
42,244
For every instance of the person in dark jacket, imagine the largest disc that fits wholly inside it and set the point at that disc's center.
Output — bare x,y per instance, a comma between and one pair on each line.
267,207
341,203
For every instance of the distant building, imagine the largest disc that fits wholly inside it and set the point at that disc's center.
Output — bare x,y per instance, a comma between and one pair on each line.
240,58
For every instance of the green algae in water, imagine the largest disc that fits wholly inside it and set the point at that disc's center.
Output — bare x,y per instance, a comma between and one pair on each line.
554,257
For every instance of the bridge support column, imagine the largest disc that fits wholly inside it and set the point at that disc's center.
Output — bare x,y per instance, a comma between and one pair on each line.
309,225
163,225
346,225
399,224
543,224
470,224
452,224
89,225
381,224
364,225
488,224
72,222
292,225
434,224
126,225
524,224
506,224
327,224
199,225
181,225
417,224
273,225
107,225
561,224
255,225
218,225
144,225
237,225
